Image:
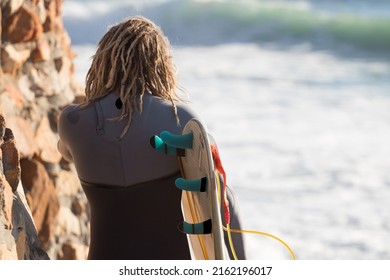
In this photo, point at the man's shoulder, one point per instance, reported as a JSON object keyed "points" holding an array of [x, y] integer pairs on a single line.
{"points": [[73, 113]]}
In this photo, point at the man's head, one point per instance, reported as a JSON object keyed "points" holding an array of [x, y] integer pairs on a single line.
{"points": [[132, 58]]}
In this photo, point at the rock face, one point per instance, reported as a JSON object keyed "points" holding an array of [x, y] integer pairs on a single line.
{"points": [[42, 206], [18, 235]]}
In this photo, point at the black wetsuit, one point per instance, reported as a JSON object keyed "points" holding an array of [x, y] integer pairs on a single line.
{"points": [[135, 207]]}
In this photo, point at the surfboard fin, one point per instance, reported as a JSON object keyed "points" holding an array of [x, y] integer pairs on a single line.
{"points": [[198, 228], [183, 141], [199, 185], [159, 145]]}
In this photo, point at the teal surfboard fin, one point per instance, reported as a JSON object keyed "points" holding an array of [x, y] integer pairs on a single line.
{"points": [[159, 145], [198, 228], [199, 185], [183, 141]]}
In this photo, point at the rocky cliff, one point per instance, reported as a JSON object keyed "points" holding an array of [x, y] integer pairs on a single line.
{"points": [[18, 235], [36, 82]]}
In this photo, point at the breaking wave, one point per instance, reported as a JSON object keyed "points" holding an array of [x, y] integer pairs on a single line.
{"points": [[217, 22]]}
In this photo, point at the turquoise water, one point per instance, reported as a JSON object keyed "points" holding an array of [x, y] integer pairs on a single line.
{"points": [[363, 25]]}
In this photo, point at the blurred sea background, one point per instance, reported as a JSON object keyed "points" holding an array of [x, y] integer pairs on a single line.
{"points": [[297, 96]]}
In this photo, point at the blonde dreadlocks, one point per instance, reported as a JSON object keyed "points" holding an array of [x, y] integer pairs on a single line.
{"points": [[132, 58]]}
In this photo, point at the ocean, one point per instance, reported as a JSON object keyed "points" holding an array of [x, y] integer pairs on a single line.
{"points": [[297, 96]]}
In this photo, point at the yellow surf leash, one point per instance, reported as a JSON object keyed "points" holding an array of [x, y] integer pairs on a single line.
{"points": [[228, 230]]}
